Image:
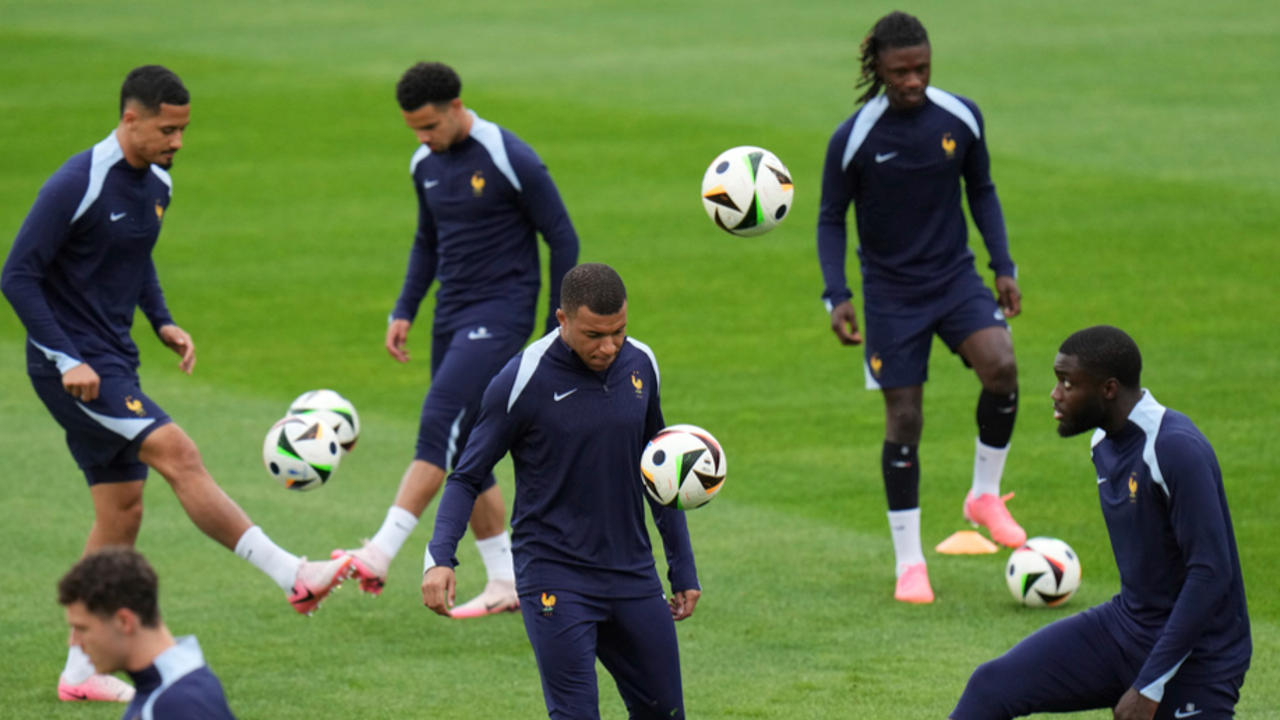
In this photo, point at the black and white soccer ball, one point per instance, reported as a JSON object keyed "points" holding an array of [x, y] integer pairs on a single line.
{"points": [[1044, 572], [335, 410], [301, 452], [683, 466], [747, 190]]}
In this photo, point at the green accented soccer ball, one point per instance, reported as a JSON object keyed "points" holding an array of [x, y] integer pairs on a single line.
{"points": [[302, 452], [683, 466], [747, 190], [343, 418], [1044, 572]]}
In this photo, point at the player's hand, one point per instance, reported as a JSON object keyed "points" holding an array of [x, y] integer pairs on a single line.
{"points": [[1134, 705], [844, 323], [81, 382], [397, 336], [1009, 297], [177, 340], [682, 603], [439, 585]]}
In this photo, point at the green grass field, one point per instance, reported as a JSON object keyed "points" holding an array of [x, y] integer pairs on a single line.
{"points": [[1135, 154]]}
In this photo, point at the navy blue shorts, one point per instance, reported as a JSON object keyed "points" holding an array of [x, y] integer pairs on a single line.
{"points": [[634, 638], [1076, 664], [104, 435], [899, 332], [462, 364]]}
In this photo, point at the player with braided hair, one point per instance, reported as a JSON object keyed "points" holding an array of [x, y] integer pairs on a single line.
{"points": [[901, 160]]}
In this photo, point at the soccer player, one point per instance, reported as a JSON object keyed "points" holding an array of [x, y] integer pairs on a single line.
{"points": [[79, 267], [113, 609], [901, 159], [1174, 642], [483, 196], [575, 410]]}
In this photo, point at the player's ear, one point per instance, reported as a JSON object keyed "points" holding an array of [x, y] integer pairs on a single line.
{"points": [[125, 621], [1110, 388], [561, 317]]}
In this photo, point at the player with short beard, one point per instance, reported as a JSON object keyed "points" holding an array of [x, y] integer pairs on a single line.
{"points": [[1174, 643]]}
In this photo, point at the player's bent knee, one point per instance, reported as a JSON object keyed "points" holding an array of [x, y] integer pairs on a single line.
{"points": [[173, 454], [986, 692]]}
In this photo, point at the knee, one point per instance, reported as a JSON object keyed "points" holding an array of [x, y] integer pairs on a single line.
{"points": [[904, 423], [1002, 375], [180, 461]]}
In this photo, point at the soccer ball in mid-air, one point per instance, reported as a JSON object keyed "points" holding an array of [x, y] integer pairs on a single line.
{"points": [[337, 411], [302, 452], [683, 466], [747, 190], [1044, 572]]}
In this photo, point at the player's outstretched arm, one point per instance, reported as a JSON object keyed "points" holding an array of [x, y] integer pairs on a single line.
{"points": [[844, 323], [1008, 296], [439, 584], [179, 341]]}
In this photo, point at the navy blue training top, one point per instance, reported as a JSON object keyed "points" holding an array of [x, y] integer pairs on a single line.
{"points": [[481, 204], [575, 438], [81, 263], [902, 171], [178, 686], [1181, 591]]}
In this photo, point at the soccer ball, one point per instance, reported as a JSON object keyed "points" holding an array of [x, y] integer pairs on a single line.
{"points": [[1044, 572], [683, 467], [337, 412], [302, 452], [747, 190]]}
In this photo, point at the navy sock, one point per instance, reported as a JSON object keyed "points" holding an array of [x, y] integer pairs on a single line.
{"points": [[901, 470], [996, 413]]}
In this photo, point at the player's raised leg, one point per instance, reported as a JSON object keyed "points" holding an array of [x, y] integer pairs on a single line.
{"points": [[174, 455], [900, 468], [990, 352]]}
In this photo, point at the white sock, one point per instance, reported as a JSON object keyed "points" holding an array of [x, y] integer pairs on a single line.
{"points": [[904, 526], [79, 667], [395, 530], [279, 564], [496, 553], [988, 466]]}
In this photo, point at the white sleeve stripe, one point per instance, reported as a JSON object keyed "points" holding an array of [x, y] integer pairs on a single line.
{"points": [[490, 136], [1148, 415], [1155, 691], [164, 177], [529, 360], [64, 361], [104, 155], [652, 358], [418, 156], [866, 120], [955, 106]]}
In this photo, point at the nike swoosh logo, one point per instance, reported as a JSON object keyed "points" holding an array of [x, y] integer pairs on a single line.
{"points": [[885, 157], [1181, 714], [117, 216], [560, 396], [428, 184]]}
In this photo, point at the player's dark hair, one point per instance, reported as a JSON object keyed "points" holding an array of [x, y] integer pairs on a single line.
{"points": [[427, 82], [595, 286], [1106, 352], [153, 85], [895, 30], [111, 579]]}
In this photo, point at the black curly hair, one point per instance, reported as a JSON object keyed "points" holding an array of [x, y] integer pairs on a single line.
{"points": [[427, 82], [111, 579], [895, 30]]}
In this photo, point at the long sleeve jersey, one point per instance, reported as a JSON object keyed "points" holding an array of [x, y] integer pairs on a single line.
{"points": [[481, 204], [178, 686], [81, 263], [1181, 591], [902, 171], [575, 438]]}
